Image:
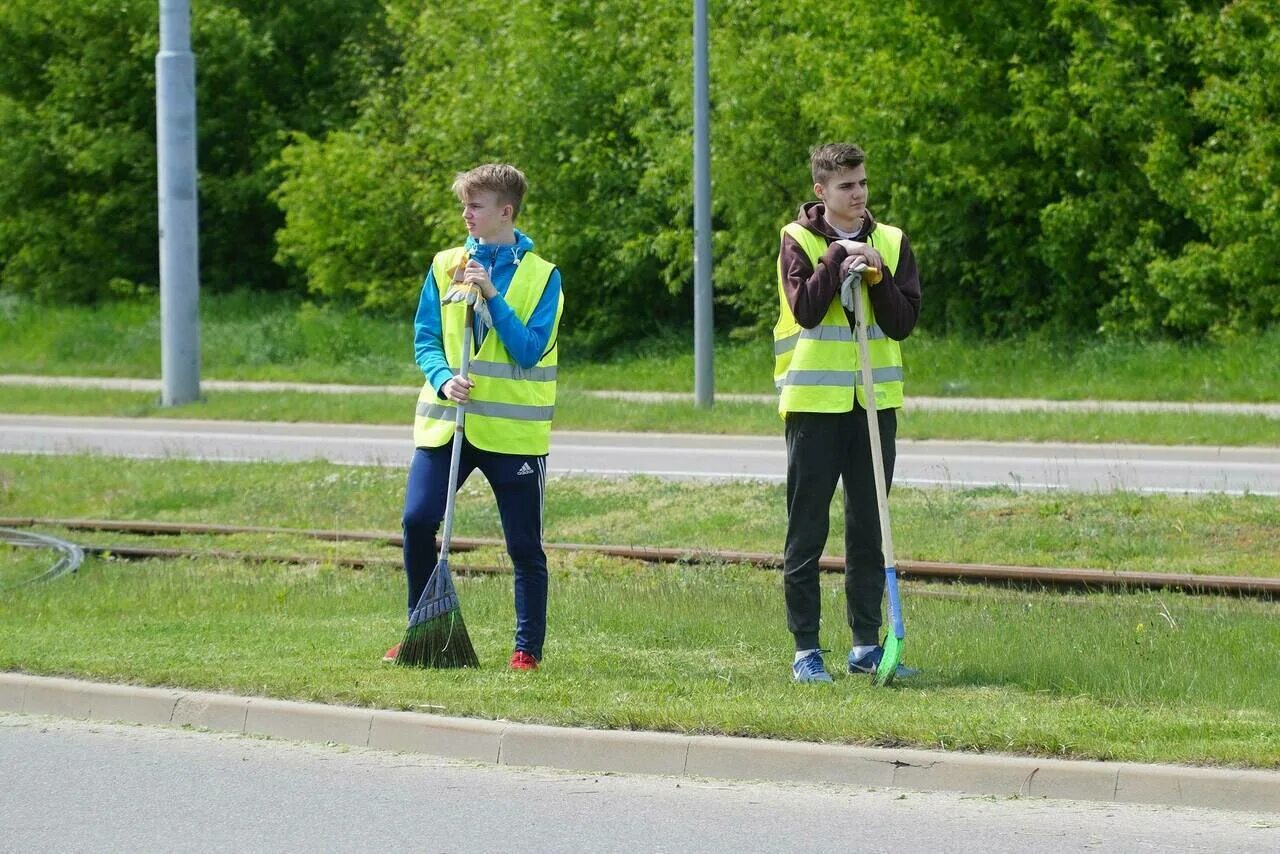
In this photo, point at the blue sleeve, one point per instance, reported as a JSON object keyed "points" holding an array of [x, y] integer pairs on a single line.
{"points": [[428, 342], [527, 343]]}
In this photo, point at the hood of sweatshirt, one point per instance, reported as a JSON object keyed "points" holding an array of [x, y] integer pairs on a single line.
{"points": [[500, 259], [811, 217]]}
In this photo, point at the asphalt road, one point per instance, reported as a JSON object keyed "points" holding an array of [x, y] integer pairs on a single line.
{"points": [[1089, 468], [78, 786]]}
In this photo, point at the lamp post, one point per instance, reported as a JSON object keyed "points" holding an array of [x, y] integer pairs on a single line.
{"points": [[176, 187], [703, 329]]}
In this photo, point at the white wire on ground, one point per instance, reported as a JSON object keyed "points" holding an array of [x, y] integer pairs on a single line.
{"points": [[70, 556]]}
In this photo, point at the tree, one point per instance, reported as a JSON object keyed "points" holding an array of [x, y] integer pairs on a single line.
{"points": [[1222, 170], [77, 112]]}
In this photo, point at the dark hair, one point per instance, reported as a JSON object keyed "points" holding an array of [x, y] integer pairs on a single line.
{"points": [[827, 160], [501, 178]]}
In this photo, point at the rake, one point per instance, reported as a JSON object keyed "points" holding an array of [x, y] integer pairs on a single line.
{"points": [[437, 636], [893, 643]]}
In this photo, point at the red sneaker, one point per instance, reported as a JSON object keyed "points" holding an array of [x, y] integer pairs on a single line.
{"points": [[521, 660], [390, 655]]}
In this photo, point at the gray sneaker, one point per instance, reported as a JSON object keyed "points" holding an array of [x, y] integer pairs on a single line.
{"points": [[810, 669]]}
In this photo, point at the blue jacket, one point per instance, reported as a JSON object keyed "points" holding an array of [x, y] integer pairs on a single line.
{"points": [[526, 343]]}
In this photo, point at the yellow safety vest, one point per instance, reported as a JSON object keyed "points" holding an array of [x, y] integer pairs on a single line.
{"points": [[818, 370], [511, 407]]}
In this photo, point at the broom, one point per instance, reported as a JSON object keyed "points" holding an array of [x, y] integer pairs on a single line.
{"points": [[437, 636], [893, 643]]}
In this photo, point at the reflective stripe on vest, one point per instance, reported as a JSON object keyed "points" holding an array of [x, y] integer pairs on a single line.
{"points": [[822, 332], [514, 411], [511, 371], [818, 369], [840, 378], [511, 407]]}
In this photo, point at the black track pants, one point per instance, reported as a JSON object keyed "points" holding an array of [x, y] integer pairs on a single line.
{"points": [[821, 449]]}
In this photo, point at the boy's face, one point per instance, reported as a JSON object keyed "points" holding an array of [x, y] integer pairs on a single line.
{"points": [[485, 215], [845, 196]]}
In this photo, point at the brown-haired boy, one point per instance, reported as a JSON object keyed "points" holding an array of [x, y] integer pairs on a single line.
{"points": [[817, 375]]}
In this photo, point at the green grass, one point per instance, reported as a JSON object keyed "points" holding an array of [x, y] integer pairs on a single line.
{"points": [[1035, 367], [19, 565], [1145, 677], [689, 650], [1140, 676], [242, 336], [265, 337], [577, 411], [1211, 534]]}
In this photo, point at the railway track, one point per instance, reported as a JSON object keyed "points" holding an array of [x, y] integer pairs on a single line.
{"points": [[1028, 576]]}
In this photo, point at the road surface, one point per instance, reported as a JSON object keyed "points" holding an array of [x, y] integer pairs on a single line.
{"points": [[1086, 468], [78, 786]]}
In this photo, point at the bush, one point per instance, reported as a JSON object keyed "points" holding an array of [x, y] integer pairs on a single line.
{"points": [[77, 132], [1070, 167]]}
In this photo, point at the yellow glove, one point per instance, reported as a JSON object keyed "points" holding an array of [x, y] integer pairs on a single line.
{"points": [[456, 273]]}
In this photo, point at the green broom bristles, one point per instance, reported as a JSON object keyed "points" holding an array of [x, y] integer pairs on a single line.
{"points": [[441, 641], [437, 636]]}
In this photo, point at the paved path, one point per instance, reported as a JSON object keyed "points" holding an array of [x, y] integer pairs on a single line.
{"points": [[971, 404], [996, 404], [1090, 468]]}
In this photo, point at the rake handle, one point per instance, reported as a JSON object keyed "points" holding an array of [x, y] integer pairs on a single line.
{"points": [[873, 421], [455, 456], [877, 456]]}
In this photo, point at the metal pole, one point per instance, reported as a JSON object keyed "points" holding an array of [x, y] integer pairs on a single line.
{"points": [[703, 331], [179, 239]]}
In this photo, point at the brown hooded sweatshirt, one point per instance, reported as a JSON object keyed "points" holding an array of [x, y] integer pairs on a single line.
{"points": [[895, 300]]}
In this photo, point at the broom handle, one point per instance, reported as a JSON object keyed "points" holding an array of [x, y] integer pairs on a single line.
{"points": [[455, 458], [873, 421]]}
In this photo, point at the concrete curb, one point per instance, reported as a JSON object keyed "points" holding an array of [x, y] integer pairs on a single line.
{"points": [[629, 752]]}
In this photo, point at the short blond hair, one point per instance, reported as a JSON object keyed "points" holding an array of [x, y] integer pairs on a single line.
{"points": [[501, 178]]}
